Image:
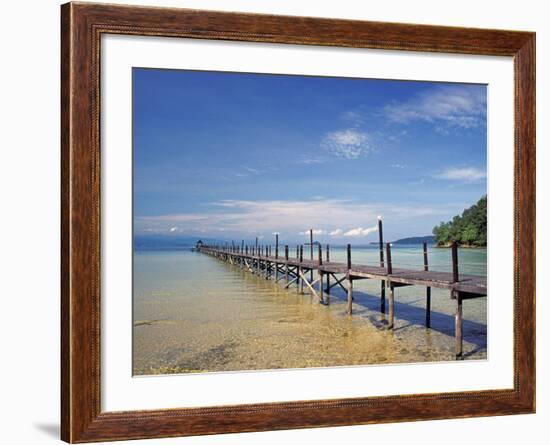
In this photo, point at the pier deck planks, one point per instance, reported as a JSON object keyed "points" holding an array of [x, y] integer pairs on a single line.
{"points": [[471, 284]]}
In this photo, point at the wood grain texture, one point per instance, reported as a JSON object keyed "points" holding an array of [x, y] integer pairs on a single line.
{"points": [[82, 26]]}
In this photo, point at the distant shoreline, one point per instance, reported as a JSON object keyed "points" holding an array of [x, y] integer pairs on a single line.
{"points": [[462, 246]]}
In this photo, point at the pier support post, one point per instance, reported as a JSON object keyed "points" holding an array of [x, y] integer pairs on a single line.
{"points": [[328, 275], [350, 281], [311, 252], [381, 250], [276, 257], [458, 324], [428, 307], [350, 294], [428, 289], [454, 252], [286, 264], [321, 295], [301, 271], [383, 297], [320, 261], [391, 310]]}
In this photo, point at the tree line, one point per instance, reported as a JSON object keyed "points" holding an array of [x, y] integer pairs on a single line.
{"points": [[468, 229]]}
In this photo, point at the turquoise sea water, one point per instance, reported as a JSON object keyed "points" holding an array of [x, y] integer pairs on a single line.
{"points": [[193, 313]]}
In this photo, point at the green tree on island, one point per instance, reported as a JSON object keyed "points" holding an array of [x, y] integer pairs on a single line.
{"points": [[469, 229]]}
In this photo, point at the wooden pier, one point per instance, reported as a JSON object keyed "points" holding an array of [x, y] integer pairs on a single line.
{"points": [[319, 275]]}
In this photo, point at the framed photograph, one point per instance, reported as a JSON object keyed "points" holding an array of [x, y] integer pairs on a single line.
{"points": [[274, 222]]}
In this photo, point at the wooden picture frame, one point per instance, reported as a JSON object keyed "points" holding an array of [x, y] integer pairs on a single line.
{"points": [[82, 25]]}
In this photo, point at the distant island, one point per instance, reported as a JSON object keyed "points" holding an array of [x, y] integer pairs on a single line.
{"points": [[429, 239], [468, 229]]}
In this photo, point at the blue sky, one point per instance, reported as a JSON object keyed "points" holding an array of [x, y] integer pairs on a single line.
{"points": [[233, 155]]}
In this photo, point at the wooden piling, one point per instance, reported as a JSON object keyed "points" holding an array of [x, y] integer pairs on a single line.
{"points": [[328, 275], [454, 251], [320, 263], [300, 271], [389, 267], [350, 294], [321, 295], [311, 251], [391, 310], [350, 281], [428, 288], [381, 251], [458, 324], [276, 246], [286, 264]]}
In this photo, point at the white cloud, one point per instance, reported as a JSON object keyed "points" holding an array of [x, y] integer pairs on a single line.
{"points": [[265, 217], [466, 174], [454, 106], [354, 117], [315, 232], [359, 231], [312, 161], [254, 171], [173, 229], [348, 144]]}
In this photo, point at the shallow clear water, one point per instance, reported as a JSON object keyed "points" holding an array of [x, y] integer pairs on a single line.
{"points": [[193, 313]]}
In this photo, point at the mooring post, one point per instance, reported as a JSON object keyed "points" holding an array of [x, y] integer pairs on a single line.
{"points": [[458, 324], [454, 251], [286, 264], [350, 281], [428, 288], [392, 291], [381, 249]]}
